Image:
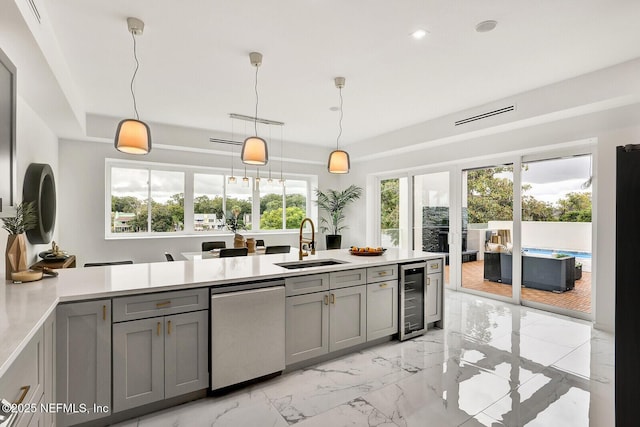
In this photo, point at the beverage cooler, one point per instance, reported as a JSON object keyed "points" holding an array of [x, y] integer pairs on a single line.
{"points": [[413, 300]]}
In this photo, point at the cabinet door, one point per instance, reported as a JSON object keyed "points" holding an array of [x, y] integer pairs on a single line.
{"points": [[83, 359], [382, 309], [186, 344], [49, 332], [434, 297], [307, 326], [138, 363], [348, 317]]}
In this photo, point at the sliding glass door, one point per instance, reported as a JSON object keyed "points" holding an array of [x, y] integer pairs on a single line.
{"points": [[486, 230], [431, 224]]}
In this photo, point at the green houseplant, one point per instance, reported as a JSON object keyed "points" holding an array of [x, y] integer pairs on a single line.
{"points": [[333, 204], [16, 253]]}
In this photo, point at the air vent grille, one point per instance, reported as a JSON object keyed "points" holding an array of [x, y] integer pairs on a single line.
{"points": [[485, 115], [34, 9]]}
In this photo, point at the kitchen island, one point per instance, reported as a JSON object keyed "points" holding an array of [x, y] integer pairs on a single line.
{"points": [[26, 308]]}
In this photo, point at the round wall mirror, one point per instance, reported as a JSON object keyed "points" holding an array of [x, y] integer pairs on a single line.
{"points": [[40, 188]]}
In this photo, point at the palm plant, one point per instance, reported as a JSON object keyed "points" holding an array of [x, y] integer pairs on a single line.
{"points": [[334, 202]]}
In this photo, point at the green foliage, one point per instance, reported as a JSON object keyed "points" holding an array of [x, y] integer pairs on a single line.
{"points": [[575, 207], [536, 210], [390, 208], [333, 203], [24, 220], [272, 219]]}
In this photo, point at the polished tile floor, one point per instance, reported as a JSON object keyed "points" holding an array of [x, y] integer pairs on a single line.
{"points": [[494, 364]]}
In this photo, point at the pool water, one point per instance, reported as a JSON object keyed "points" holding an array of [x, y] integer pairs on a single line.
{"points": [[585, 255]]}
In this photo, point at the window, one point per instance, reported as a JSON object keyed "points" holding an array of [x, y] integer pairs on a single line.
{"points": [[150, 199], [144, 199], [208, 202]]}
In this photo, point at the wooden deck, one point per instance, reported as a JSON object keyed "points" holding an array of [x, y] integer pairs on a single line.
{"points": [[579, 298]]}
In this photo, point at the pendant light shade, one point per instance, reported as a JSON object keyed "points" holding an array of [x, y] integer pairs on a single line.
{"points": [[339, 162], [339, 159], [254, 151], [254, 148], [132, 135]]}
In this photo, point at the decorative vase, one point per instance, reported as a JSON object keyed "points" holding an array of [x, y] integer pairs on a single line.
{"points": [[16, 255], [251, 245], [334, 241], [239, 241]]}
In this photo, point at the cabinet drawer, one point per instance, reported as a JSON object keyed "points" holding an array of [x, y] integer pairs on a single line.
{"points": [[306, 284], [159, 304], [384, 272], [344, 279], [434, 266], [22, 382]]}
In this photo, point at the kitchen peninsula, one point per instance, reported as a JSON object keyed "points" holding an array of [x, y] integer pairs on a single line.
{"points": [[120, 294]]}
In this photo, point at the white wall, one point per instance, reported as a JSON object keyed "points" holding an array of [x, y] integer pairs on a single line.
{"points": [[82, 204], [568, 236], [35, 143]]}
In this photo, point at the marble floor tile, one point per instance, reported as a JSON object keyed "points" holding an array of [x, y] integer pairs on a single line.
{"points": [[355, 413], [532, 349], [236, 409], [565, 332], [311, 391]]}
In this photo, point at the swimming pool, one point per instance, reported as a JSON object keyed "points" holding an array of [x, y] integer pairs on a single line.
{"points": [[585, 255]]}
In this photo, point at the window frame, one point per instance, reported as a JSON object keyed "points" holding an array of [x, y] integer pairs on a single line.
{"points": [[189, 218]]}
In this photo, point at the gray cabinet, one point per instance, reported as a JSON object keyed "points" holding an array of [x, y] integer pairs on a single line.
{"points": [[434, 290], [321, 322], [159, 358], [382, 309], [307, 326], [83, 359], [347, 317], [49, 366]]}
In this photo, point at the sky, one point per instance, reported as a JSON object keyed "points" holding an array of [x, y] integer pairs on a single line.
{"points": [[551, 180], [133, 182]]}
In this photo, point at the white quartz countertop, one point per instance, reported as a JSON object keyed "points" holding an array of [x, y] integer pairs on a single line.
{"points": [[25, 307]]}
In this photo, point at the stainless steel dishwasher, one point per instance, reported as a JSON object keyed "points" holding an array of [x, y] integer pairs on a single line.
{"points": [[247, 332]]}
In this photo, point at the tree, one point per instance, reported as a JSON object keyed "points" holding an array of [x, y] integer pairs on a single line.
{"points": [[536, 210], [575, 207], [272, 220], [390, 208], [128, 204], [489, 198]]}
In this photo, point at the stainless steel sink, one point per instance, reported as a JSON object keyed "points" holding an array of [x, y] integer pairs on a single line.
{"points": [[311, 263]]}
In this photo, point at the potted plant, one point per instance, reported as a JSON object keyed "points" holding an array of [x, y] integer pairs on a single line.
{"points": [[234, 223], [333, 203], [578, 274], [16, 253]]}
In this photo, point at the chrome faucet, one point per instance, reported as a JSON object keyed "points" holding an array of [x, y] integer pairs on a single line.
{"points": [[312, 242]]}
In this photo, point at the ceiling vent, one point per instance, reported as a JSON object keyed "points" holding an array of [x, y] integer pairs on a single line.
{"points": [[485, 115], [34, 9]]}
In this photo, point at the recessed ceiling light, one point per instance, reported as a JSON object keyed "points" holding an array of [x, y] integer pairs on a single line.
{"points": [[486, 26], [419, 34]]}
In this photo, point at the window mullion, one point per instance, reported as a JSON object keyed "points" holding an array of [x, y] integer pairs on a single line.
{"points": [[149, 201]]}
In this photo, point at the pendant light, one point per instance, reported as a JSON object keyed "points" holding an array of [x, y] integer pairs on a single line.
{"points": [[254, 148], [133, 136], [339, 159]]}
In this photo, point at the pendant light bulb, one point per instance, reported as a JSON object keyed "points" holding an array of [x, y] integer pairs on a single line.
{"points": [[254, 148], [339, 161], [132, 135]]}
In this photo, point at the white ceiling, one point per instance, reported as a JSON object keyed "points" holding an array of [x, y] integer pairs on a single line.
{"points": [[195, 68]]}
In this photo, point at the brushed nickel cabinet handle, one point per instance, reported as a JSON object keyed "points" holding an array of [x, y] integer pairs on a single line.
{"points": [[158, 328], [333, 298], [104, 312], [163, 304], [25, 389], [169, 327], [326, 300], [428, 281]]}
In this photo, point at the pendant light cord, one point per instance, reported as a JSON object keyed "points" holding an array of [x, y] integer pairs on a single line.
{"points": [[133, 78], [255, 118], [339, 121]]}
